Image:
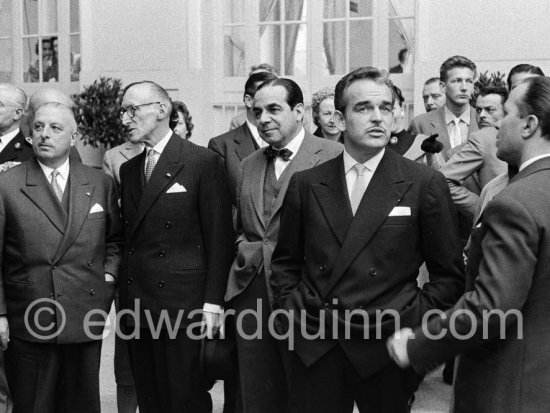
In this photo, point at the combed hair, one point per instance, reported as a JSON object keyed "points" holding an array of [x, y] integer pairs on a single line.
{"points": [[374, 74], [157, 89], [294, 95], [254, 80], [432, 80], [454, 62], [19, 96], [536, 102], [523, 68], [266, 67], [494, 90]]}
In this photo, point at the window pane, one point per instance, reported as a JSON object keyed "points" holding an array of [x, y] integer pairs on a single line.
{"points": [[360, 38], [295, 50], [334, 46], [49, 16], [234, 41], [30, 17], [75, 16], [31, 63], [5, 19], [295, 10], [6, 65], [360, 8], [334, 8], [401, 8], [234, 11], [76, 58], [270, 46], [270, 10], [401, 45]]}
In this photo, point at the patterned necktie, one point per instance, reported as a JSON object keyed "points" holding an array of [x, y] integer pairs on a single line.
{"points": [[359, 187], [150, 163], [456, 134], [271, 153], [55, 185]]}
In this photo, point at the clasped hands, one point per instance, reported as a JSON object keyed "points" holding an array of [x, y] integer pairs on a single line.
{"points": [[397, 347]]}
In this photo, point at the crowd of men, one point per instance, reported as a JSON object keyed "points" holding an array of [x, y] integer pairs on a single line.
{"points": [[303, 251]]}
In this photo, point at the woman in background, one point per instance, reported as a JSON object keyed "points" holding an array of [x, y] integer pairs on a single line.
{"points": [[180, 120], [322, 108]]}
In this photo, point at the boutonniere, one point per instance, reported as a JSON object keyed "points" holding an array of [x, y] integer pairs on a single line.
{"points": [[17, 146]]}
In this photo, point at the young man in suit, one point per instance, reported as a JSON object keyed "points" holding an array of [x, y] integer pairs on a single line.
{"points": [[354, 232], [457, 119], [13, 145], [263, 180], [503, 363], [179, 246], [60, 240]]}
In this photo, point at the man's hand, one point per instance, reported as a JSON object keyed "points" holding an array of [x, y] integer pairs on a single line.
{"points": [[211, 323], [431, 144], [397, 347], [4, 332]]}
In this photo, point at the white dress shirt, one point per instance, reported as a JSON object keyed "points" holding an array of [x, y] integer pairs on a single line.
{"points": [[294, 146], [63, 176], [463, 122], [7, 138], [532, 160], [351, 175]]}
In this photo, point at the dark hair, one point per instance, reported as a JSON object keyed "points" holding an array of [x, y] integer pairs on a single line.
{"points": [[294, 95], [494, 90], [398, 95], [523, 68], [402, 54], [179, 106], [432, 80], [266, 67], [255, 80], [454, 62], [536, 102], [369, 73]]}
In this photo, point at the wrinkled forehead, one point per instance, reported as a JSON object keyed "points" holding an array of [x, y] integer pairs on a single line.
{"points": [[55, 113]]}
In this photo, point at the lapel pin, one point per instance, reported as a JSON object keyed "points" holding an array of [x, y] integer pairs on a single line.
{"points": [[17, 146], [168, 175]]}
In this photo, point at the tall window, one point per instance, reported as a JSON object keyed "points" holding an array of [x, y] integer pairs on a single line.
{"points": [[6, 49]]}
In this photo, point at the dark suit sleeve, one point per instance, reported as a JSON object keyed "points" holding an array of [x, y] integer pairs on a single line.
{"points": [[113, 233], [217, 147], [216, 225], [441, 248], [510, 249], [288, 258]]}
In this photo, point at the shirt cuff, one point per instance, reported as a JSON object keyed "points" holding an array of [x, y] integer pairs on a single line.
{"points": [[212, 308]]}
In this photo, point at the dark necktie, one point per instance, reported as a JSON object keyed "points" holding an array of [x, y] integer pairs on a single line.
{"points": [[271, 153]]}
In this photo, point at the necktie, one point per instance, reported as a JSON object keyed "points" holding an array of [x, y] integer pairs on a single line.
{"points": [[150, 163], [455, 135], [359, 187], [271, 153], [55, 185]]}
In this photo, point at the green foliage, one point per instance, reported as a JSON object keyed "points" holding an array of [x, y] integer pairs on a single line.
{"points": [[496, 79], [96, 111]]}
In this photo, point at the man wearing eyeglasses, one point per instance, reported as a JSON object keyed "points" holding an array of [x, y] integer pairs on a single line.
{"points": [[176, 208]]}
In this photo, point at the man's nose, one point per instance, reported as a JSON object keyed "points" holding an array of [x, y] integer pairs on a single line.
{"points": [[376, 115], [126, 118]]}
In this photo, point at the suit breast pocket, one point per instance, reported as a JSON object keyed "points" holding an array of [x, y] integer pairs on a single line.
{"points": [[97, 215]]}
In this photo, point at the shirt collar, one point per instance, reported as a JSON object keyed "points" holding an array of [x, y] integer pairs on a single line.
{"points": [[371, 164], [159, 147], [294, 144], [63, 170], [464, 117], [532, 160], [9, 136]]}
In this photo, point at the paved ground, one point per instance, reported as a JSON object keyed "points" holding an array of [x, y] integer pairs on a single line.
{"points": [[432, 397]]}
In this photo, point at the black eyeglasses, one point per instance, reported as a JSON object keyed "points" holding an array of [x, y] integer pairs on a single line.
{"points": [[131, 110]]}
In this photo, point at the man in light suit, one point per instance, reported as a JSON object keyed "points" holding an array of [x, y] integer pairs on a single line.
{"points": [[13, 145], [60, 242], [115, 157], [504, 364], [354, 232], [457, 119], [177, 210], [263, 180], [237, 144]]}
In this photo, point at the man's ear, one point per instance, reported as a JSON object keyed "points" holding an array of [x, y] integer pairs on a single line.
{"points": [[299, 111], [18, 113], [530, 126], [443, 87], [339, 120], [163, 112], [248, 101]]}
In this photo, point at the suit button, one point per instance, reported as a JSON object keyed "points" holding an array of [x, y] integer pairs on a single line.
{"points": [[89, 263], [52, 296], [168, 224], [131, 251], [326, 305], [162, 254], [130, 280], [92, 292], [161, 284], [323, 268], [373, 272]]}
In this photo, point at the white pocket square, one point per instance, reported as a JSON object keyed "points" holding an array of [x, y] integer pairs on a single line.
{"points": [[400, 211], [96, 208], [176, 188]]}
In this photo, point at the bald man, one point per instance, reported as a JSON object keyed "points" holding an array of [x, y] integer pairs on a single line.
{"points": [[59, 253], [14, 148]]}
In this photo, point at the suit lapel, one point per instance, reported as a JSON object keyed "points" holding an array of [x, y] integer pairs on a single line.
{"points": [[80, 199], [244, 142], [37, 189], [130, 150], [385, 190], [137, 176], [259, 169], [332, 195], [440, 125], [537, 166], [169, 164]]}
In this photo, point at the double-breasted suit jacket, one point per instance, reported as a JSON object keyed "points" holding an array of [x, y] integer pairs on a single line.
{"points": [[51, 254], [503, 372], [329, 261], [258, 238], [179, 236]]}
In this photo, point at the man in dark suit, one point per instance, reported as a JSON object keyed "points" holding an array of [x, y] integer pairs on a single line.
{"points": [[504, 364], [263, 180], [354, 232], [457, 119], [60, 242], [177, 211], [14, 148], [237, 144]]}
